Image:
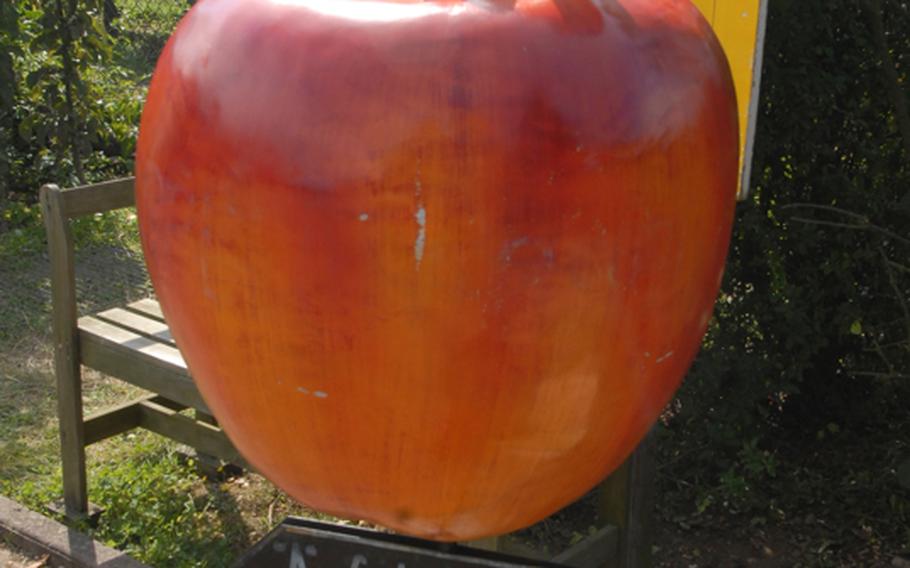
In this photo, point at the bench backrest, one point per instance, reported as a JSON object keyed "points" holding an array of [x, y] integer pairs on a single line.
{"points": [[58, 207]]}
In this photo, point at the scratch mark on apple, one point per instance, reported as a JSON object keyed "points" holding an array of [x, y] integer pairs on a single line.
{"points": [[421, 242], [505, 255], [664, 357], [317, 394], [421, 217]]}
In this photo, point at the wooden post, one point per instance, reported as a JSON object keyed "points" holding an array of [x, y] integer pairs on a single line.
{"points": [[211, 466], [627, 501], [207, 465], [66, 359]]}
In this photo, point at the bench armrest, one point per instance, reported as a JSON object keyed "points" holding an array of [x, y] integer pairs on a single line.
{"points": [[89, 199]]}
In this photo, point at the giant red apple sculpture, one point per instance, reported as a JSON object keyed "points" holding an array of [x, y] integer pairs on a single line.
{"points": [[438, 265]]}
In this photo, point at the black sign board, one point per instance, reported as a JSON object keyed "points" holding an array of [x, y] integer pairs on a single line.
{"points": [[299, 543]]}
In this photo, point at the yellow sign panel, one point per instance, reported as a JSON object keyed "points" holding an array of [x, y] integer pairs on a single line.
{"points": [[740, 26]]}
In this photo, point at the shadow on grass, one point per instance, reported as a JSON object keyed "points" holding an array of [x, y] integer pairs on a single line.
{"points": [[231, 518]]}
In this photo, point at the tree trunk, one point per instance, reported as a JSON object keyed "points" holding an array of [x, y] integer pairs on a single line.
{"points": [[69, 80]]}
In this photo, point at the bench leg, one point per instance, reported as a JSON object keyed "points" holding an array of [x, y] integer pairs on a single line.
{"points": [[66, 359], [72, 433], [210, 466], [627, 501]]}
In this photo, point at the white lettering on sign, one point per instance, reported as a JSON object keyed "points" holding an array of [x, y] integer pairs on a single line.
{"points": [[297, 560], [358, 561]]}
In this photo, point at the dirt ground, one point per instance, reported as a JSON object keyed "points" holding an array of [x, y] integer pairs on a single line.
{"points": [[734, 543], [11, 557]]}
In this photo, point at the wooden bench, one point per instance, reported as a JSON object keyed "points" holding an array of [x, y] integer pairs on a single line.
{"points": [[133, 343]]}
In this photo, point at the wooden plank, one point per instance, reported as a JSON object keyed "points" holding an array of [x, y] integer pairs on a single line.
{"points": [[60, 544], [138, 323], [97, 198], [627, 501], [138, 360], [66, 359], [595, 551], [122, 418], [185, 430], [147, 307], [112, 421], [145, 348], [167, 403]]}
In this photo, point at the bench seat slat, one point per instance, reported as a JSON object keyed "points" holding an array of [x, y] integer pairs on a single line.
{"points": [[139, 360], [132, 341], [138, 323], [147, 307]]}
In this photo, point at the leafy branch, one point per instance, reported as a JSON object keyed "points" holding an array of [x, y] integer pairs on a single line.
{"points": [[69, 38], [857, 221]]}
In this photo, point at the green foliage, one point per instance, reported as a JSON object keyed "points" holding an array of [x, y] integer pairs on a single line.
{"points": [[812, 330], [156, 510], [66, 37], [69, 112], [9, 37]]}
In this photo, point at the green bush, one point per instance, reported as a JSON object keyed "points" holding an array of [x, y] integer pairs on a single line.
{"points": [[68, 112], [812, 329]]}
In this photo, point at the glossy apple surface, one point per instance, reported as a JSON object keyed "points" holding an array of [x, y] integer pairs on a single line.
{"points": [[438, 265]]}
